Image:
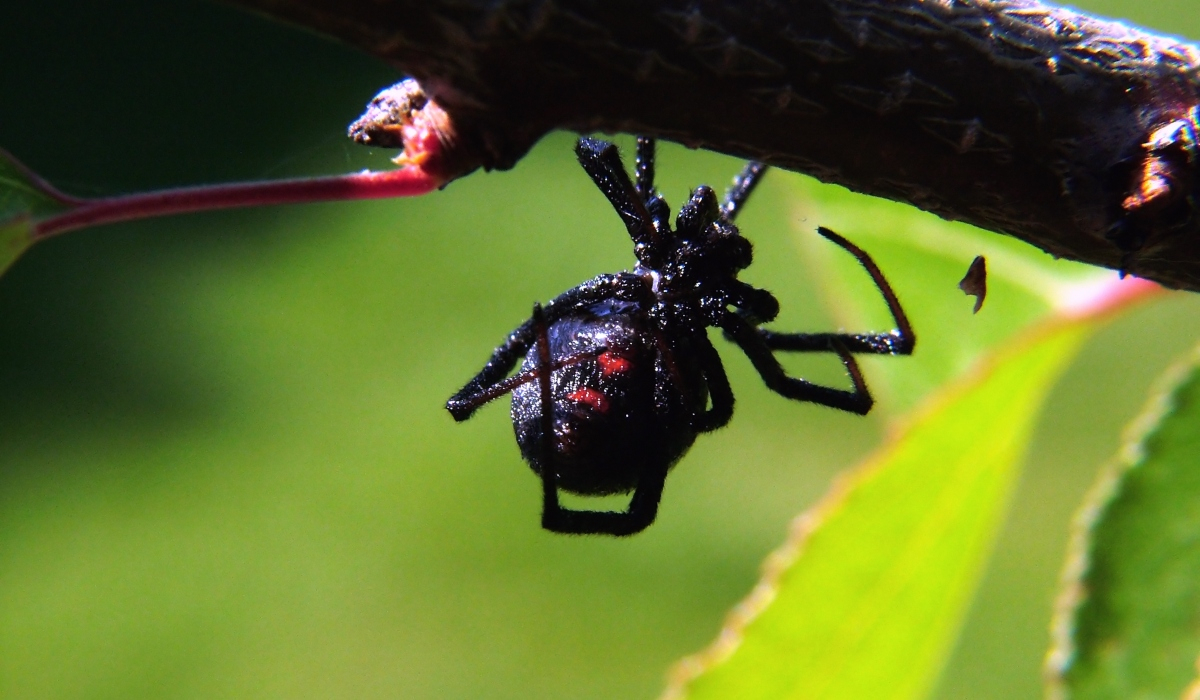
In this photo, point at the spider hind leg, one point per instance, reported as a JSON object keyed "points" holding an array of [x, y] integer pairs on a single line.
{"points": [[643, 506], [759, 345]]}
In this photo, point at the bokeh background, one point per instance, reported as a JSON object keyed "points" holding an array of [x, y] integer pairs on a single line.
{"points": [[225, 470]]}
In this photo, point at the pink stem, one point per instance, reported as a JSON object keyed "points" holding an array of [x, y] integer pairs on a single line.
{"points": [[405, 182]]}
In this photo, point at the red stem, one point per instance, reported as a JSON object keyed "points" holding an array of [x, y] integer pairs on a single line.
{"points": [[405, 182]]}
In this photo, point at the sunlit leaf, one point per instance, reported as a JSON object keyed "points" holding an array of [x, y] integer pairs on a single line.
{"points": [[867, 597], [1129, 617]]}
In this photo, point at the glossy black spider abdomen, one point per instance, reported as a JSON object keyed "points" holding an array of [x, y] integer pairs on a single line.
{"points": [[615, 410]]}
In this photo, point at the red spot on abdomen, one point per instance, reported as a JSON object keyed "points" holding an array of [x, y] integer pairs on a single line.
{"points": [[591, 397], [612, 364]]}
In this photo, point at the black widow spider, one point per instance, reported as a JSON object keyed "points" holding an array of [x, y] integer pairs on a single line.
{"points": [[633, 377]]}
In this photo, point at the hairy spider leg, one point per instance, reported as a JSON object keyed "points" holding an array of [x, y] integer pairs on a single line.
{"points": [[644, 172], [759, 345], [491, 383], [602, 163], [720, 394], [743, 185], [643, 506], [660, 212], [755, 305], [897, 342], [858, 400], [505, 386]]}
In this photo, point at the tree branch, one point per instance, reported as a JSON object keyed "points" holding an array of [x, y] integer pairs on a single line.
{"points": [[1075, 134]]}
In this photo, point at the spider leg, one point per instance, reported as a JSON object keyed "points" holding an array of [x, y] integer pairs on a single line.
{"points": [[490, 382], [897, 342], [858, 343], [743, 185], [644, 172], [552, 512], [719, 393], [602, 162], [483, 387], [660, 213], [643, 508], [504, 386], [757, 305], [858, 400]]}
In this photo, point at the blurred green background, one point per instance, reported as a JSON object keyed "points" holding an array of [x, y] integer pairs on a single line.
{"points": [[225, 470]]}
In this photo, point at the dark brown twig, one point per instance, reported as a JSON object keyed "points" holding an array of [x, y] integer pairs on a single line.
{"points": [[1075, 134]]}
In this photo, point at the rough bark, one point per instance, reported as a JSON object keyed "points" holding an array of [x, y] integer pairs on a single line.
{"points": [[1073, 133]]}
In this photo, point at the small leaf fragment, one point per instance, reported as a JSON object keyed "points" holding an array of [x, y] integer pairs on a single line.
{"points": [[867, 597], [974, 283], [23, 193], [1128, 619]]}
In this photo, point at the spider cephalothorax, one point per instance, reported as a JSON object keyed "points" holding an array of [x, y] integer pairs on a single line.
{"points": [[619, 375]]}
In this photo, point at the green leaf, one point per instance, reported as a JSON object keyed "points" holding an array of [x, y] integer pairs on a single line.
{"points": [[23, 193], [866, 598], [1128, 623], [24, 197]]}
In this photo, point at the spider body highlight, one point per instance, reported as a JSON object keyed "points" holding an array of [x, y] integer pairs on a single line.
{"points": [[618, 375]]}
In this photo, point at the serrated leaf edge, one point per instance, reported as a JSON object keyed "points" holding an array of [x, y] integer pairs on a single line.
{"points": [[1072, 591], [807, 523]]}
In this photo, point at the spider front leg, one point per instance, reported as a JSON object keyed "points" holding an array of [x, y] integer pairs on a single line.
{"points": [[644, 168], [743, 185], [602, 163], [490, 382]]}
